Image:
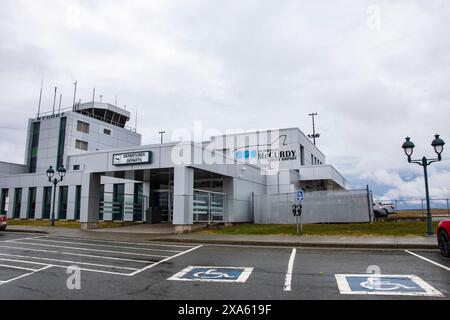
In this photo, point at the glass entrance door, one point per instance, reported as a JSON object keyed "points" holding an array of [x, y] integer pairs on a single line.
{"points": [[164, 202]]}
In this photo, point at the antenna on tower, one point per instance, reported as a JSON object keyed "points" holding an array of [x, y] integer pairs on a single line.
{"points": [[116, 100], [136, 121], [74, 94], [54, 100], [40, 99], [60, 99]]}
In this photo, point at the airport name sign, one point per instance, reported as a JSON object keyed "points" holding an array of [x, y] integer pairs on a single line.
{"points": [[132, 158]]}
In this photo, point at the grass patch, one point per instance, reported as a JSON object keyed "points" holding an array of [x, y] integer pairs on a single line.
{"points": [[394, 229], [67, 224]]}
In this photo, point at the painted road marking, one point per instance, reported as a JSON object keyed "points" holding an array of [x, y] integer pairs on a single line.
{"points": [[213, 274], [25, 275], [88, 249], [288, 280], [428, 260], [376, 284], [13, 259], [101, 245]]}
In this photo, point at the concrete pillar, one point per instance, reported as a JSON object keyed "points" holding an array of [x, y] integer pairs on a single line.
{"points": [[56, 202], [10, 203], [24, 204], [89, 201], [183, 199], [39, 198], [72, 193], [228, 188], [107, 202], [146, 193], [128, 202]]}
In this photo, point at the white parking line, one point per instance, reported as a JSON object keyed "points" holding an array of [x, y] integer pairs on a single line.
{"points": [[101, 245], [428, 260], [119, 242], [288, 280], [14, 267], [165, 260], [87, 249], [80, 254], [64, 261], [25, 275]]}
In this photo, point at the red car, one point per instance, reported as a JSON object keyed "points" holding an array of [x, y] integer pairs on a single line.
{"points": [[3, 222], [443, 233]]}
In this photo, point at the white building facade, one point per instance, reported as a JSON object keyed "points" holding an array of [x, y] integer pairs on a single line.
{"points": [[111, 176]]}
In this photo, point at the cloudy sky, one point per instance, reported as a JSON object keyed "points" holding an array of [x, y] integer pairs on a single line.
{"points": [[375, 71]]}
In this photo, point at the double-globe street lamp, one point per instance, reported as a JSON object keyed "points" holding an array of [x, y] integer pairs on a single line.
{"points": [[438, 145], [55, 181]]}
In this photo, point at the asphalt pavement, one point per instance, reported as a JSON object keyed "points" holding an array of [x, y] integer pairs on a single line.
{"points": [[34, 266]]}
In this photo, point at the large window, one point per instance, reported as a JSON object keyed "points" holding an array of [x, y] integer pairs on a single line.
{"points": [[4, 201], [82, 126], [81, 145], [33, 146], [46, 202], [62, 203], [77, 203], [302, 155], [17, 203], [31, 203], [61, 142]]}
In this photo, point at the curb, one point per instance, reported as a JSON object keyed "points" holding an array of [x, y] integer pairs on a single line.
{"points": [[395, 246], [25, 231]]}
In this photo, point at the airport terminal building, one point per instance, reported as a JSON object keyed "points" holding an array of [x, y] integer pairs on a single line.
{"points": [[111, 176]]}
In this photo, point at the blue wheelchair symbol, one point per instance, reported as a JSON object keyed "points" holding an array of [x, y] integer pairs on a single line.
{"points": [[211, 274]]}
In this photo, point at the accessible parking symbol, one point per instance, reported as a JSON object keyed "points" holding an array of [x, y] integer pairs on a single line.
{"points": [[213, 274], [399, 285]]}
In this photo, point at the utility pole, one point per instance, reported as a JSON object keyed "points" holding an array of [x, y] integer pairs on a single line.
{"points": [[315, 135], [162, 136]]}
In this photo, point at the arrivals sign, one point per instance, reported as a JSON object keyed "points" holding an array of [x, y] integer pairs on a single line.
{"points": [[132, 158]]}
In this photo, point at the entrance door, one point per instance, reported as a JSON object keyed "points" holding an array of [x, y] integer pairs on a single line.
{"points": [[164, 202]]}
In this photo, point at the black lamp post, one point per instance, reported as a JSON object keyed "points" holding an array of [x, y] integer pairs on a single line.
{"points": [[438, 145], [55, 181]]}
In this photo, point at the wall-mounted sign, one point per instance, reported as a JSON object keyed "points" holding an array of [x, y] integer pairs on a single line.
{"points": [[278, 150], [51, 116], [132, 158]]}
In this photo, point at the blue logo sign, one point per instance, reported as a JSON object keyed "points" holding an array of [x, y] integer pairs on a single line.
{"points": [[213, 274], [375, 284], [300, 195]]}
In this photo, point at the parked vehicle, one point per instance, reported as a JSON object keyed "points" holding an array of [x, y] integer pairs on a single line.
{"points": [[383, 209], [443, 234], [3, 222]]}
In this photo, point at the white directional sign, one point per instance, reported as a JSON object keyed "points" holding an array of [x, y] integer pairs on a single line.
{"points": [[131, 158], [377, 284], [213, 274]]}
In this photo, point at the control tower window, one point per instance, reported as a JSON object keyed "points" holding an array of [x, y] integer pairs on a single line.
{"points": [[82, 126], [81, 145]]}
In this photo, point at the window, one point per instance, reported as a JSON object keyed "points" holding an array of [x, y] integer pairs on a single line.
{"points": [[82, 126], [46, 202], [76, 167], [312, 160], [31, 203], [61, 142], [63, 195], [107, 132], [17, 203], [81, 145], [302, 155], [33, 147], [77, 203], [4, 201]]}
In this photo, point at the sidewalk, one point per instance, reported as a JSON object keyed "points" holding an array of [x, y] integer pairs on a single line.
{"points": [[343, 242]]}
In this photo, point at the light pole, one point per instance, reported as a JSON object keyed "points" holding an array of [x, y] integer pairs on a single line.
{"points": [[438, 145], [162, 136], [55, 181]]}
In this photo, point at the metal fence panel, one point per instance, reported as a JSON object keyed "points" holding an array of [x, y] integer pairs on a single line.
{"points": [[318, 207]]}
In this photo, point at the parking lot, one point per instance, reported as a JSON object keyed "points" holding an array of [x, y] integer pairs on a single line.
{"points": [[36, 267]]}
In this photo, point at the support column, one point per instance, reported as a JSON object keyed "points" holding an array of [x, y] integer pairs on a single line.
{"points": [[39, 197], [24, 203], [146, 193], [71, 202], [90, 201], [183, 199]]}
